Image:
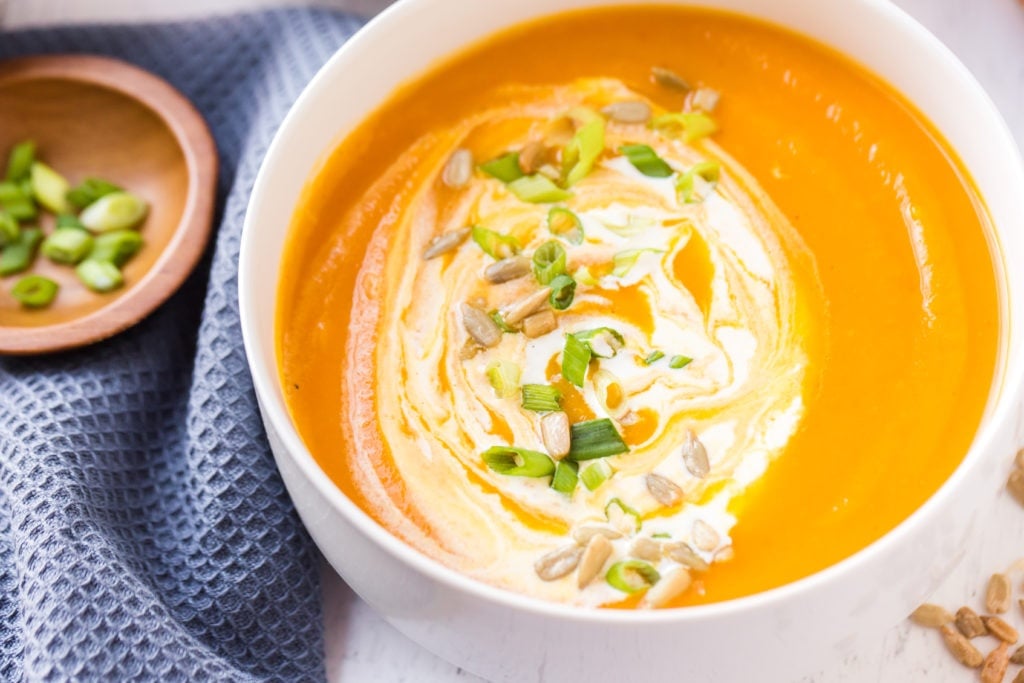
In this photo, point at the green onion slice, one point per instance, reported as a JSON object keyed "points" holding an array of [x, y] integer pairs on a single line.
{"points": [[595, 474], [18, 256], [575, 359], [595, 439], [69, 220], [19, 163], [563, 290], [581, 152], [494, 244], [646, 160], [49, 188], [566, 477], [565, 224], [632, 576], [499, 320], [549, 262], [504, 378], [604, 342], [35, 291], [90, 190], [538, 189], [697, 183], [653, 357], [541, 398], [518, 462], [67, 245], [624, 261], [99, 276], [585, 277], [115, 211], [616, 508], [9, 229], [677, 362], [634, 225], [505, 168], [116, 247], [692, 126]]}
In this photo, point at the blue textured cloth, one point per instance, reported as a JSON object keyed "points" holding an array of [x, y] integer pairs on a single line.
{"points": [[144, 531]]}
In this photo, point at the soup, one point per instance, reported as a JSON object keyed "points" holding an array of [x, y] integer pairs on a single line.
{"points": [[637, 308]]}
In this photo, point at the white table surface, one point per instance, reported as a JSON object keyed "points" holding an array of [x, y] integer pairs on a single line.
{"points": [[988, 36]]}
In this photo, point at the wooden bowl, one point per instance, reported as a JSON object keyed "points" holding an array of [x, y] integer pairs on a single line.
{"points": [[94, 116]]}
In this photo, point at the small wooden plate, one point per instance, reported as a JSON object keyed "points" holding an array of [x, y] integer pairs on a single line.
{"points": [[94, 116]]}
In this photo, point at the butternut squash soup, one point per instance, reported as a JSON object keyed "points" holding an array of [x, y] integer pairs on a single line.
{"points": [[639, 307]]}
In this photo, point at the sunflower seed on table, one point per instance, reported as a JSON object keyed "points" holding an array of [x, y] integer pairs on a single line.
{"points": [[554, 431], [663, 489], [444, 243], [516, 311], [672, 585], [458, 170], [969, 623], [695, 456], [507, 269], [961, 648], [931, 616], [993, 669], [558, 563], [704, 536], [480, 327], [685, 555], [998, 594], [532, 156], [539, 324], [583, 534], [646, 549], [1000, 629], [668, 78], [597, 552], [630, 111]]}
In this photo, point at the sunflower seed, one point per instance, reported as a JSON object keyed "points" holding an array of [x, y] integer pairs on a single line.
{"points": [[444, 243], [646, 549], [961, 648], [558, 563], [518, 310], [994, 668], [969, 623], [632, 111], [664, 490], [683, 554], [1018, 656], [672, 585], [507, 269], [539, 324], [1000, 629], [668, 78], [997, 596], [481, 328], [704, 536], [1015, 485], [554, 430], [695, 456], [532, 156], [583, 534], [705, 99], [1019, 678], [724, 554], [458, 170], [932, 616], [1018, 460], [598, 550]]}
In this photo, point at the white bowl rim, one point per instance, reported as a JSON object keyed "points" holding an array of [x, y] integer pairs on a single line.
{"points": [[266, 382]]}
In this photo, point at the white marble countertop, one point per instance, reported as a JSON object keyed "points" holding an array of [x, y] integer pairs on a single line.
{"points": [[988, 36]]}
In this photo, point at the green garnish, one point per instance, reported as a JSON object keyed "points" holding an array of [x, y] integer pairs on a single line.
{"points": [[661, 534], [595, 474], [582, 151], [677, 362], [565, 224], [549, 262], [67, 245], [17, 202], [99, 276], [115, 211], [563, 290], [646, 160], [499, 320], [9, 229], [631, 576], [69, 220], [541, 398], [18, 256], [90, 190], [537, 189], [634, 225], [623, 510], [624, 261], [494, 244], [19, 163], [117, 247], [504, 378], [566, 477], [518, 462], [689, 186], [692, 126], [49, 188], [585, 277], [653, 357], [575, 359], [505, 168], [604, 342], [35, 291], [595, 439]]}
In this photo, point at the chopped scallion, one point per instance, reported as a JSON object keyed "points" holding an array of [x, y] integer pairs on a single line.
{"points": [[67, 245], [697, 183], [19, 163], [504, 378], [575, 359], [595, 474], [616, 509], [117, 247], [604, 342], [49, 188], [18, 255], [595, 439], [566, 477], [549, 262], [494, 244], [9, 229], [624, 261], [505, 168], [646, 160], [632, 576], [518, 462], [563, 290], [537, 189], [99, 276], [692, 126], [565, 224], [541, 398], [499, 320], [115, 211], [653, 357], [69, 220], [585, 277], [35, 291], [584, 148], [90, 190], [677, 362]]}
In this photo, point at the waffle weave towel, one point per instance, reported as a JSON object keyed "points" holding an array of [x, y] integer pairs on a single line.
{"points": [[144, 531]]}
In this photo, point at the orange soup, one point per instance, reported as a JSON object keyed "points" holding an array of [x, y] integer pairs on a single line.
{"points": [[639, 307]]}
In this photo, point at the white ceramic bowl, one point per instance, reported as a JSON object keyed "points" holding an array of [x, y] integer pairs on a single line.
{"points": [[773, 636]]}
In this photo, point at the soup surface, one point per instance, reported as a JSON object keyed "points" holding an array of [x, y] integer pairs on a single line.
{"points": [[542, 297]]}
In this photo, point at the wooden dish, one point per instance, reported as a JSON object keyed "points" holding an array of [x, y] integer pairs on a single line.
{"points": [[95, 116]]}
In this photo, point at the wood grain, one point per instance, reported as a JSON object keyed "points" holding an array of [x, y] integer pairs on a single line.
{"points": [[94, 116]]}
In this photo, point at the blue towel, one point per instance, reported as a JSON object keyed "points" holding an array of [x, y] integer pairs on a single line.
{"points": [[144, 531]]}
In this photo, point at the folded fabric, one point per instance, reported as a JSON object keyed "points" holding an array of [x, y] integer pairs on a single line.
{"points": [[144, 531]]}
